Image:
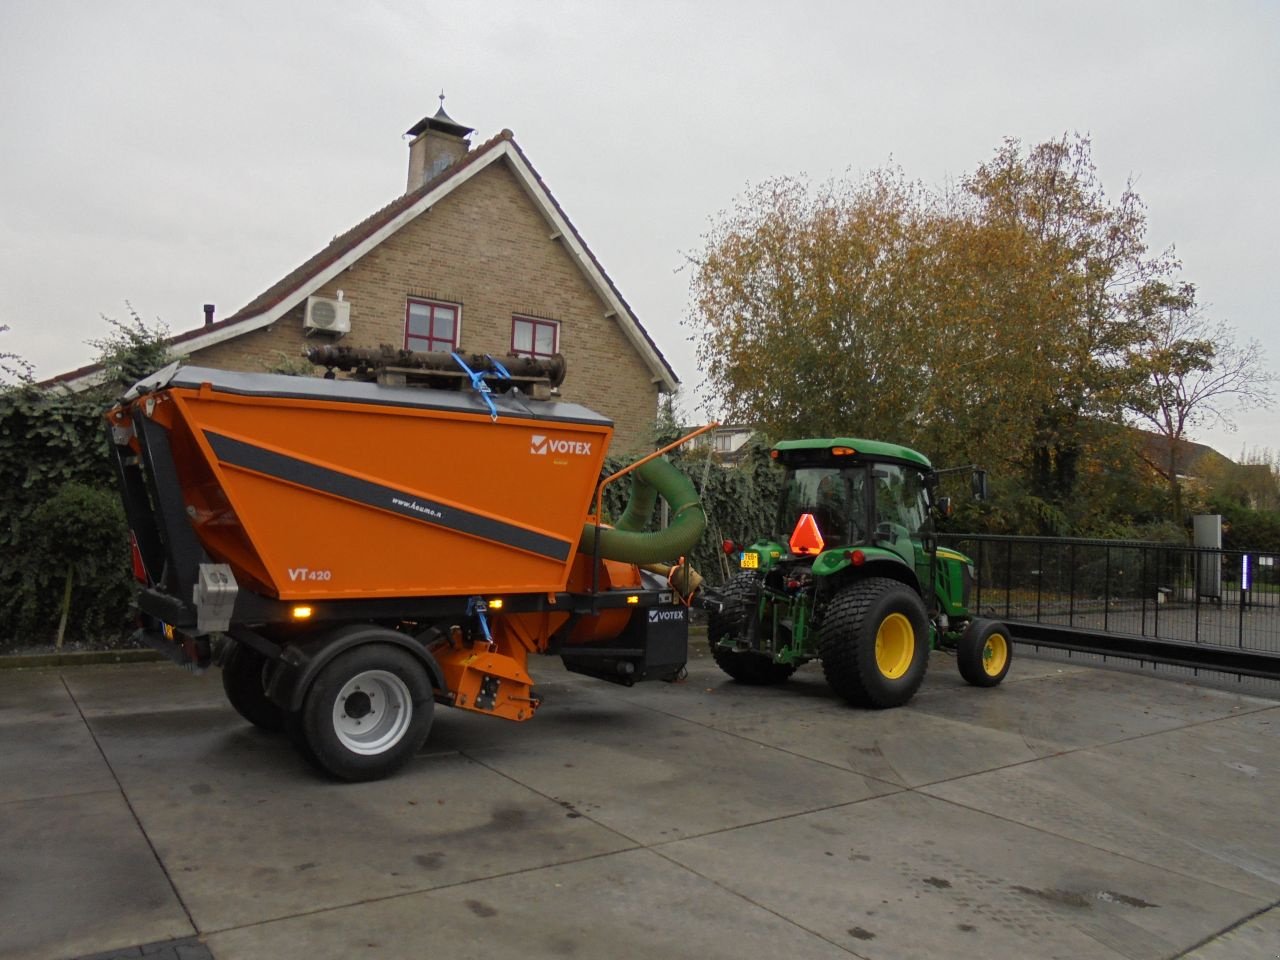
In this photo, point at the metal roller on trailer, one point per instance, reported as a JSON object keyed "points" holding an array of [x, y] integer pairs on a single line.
{"points": [[354, 551]]}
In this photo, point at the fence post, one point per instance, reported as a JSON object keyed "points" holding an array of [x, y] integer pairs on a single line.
{"points": [[1071, 586], [1244, 596], [1008, 578], [1142, 592], [977, 587], [1039, 575], [1106, 589], [1195, 580]]}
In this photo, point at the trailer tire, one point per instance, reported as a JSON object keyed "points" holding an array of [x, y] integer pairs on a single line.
{"points": [[875, 643], [244, 679], [984, 653], [745, 666], [366, 714]]}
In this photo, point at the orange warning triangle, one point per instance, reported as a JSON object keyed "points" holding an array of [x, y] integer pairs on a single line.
{"points": [[806, 538]]}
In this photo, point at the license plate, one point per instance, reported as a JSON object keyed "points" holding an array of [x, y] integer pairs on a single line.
{"points": [[750, 561]]}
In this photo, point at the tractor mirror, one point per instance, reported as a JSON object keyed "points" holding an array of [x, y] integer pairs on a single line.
{"points": [[945, 507], [979, 484]]}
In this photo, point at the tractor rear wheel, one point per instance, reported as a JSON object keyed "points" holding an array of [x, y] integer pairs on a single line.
{"points": [[730, 624], [244, 679], [984, 653], [366, 714], [875, 643]]}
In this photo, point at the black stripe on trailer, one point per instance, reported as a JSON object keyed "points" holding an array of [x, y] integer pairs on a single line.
{"points": [[250, 457]]}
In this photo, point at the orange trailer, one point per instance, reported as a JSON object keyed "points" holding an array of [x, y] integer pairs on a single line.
{"points": [[351, 552]]}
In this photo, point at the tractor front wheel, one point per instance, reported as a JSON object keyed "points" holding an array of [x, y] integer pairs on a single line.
{"points": [[875, 643], [984, 653], [748, 667]]}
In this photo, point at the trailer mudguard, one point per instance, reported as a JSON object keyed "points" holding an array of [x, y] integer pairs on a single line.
{"points": [[300, 662]]}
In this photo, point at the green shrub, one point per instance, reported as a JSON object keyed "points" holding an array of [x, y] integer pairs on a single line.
{"points": [[61, 509], [78, 536]]}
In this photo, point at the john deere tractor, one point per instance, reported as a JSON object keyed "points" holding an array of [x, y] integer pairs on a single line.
{"points": [[852, 575]]}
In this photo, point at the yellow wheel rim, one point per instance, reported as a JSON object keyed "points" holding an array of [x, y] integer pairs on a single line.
{"points": [[995, 655], [895, 646]]}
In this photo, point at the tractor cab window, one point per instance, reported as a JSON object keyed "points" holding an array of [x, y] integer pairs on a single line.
{"points": [[836, 498], [901, 501]]}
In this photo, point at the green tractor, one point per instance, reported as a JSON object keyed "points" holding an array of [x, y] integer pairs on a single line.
{"points": [[853, 576]]}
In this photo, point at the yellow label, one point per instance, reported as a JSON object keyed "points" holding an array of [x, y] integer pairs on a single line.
{"points": [[749, 561]]}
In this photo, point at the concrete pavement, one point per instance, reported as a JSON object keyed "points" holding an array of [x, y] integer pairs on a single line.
{"points": [[1072, 812]]}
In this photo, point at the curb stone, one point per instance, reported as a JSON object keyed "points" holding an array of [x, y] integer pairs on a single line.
{"points": [[78, 658]]}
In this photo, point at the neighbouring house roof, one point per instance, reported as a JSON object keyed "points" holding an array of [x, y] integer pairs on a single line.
{"points": [[347, 248], [1190, 458]]}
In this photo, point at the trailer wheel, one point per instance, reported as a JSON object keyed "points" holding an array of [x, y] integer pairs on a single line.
{"points": [[244, 678], [745, 666], [875, 643], [984, 653], [366, 713]]}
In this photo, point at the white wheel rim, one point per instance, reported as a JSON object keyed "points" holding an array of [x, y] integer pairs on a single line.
{"points": [[372, 712]]}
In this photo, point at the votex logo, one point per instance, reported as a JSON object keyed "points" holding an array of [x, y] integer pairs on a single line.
{"points": [[542, 445], [658, 615]]}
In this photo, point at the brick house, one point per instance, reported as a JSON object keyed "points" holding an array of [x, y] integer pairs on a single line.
{"points": [[477, 256]]}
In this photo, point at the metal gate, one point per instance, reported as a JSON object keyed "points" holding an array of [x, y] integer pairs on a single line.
{"points": [[1144, 601]]}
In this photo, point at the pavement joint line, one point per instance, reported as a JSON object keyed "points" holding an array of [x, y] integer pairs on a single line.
{"points": [[653, 848], [897, 787], [557, 802], [1066, 751], [1093, 846], [759, 906], [1225, 930], [54, 796], [132, 812], [204, 934]]}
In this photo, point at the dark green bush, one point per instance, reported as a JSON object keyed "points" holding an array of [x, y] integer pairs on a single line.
{"points": [[61, 511], [78, 534]]}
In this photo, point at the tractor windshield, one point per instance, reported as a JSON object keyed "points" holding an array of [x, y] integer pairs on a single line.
{"points": [[883, 502], [901, 501], [835, 496]]}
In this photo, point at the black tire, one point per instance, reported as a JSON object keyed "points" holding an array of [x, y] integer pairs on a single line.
{"points": [[984, 653], [744, 666], [875, 643], [244, 678], [366, 713]]}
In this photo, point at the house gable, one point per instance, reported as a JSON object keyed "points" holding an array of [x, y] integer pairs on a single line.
{"points": [[510, 237], [486, 249]]}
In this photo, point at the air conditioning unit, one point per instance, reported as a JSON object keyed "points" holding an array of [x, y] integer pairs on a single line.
{"points": [[325, 315]]}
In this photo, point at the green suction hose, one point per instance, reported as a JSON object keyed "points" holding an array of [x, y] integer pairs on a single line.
{"points": [[626, 542]]}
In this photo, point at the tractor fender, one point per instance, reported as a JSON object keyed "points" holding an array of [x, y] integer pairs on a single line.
{"points": [[891, 567], [304, 660]]}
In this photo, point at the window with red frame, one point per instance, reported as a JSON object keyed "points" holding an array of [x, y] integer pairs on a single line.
{"points": [[531, 337], [430, 326]]}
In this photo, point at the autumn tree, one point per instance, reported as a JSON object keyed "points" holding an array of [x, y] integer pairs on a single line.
{"points": [[1194, 373], [868, 309], [1098, 273], [995, 321]]}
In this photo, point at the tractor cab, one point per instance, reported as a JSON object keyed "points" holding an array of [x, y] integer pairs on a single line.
{"points": [[846, 503], [842, 495], [851, 574]]}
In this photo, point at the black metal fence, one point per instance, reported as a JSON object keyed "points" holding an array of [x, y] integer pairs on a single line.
{"points": [[1173, 597]]}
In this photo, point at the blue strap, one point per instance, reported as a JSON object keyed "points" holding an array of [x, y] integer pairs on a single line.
{"points": [[477, 606], [497, 367], [478, 384]]}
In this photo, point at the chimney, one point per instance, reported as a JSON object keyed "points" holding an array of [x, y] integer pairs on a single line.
{"points": [[208, 314], [437, 143]]}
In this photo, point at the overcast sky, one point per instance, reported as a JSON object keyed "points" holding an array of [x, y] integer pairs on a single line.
{"points": [[177, 153]]}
